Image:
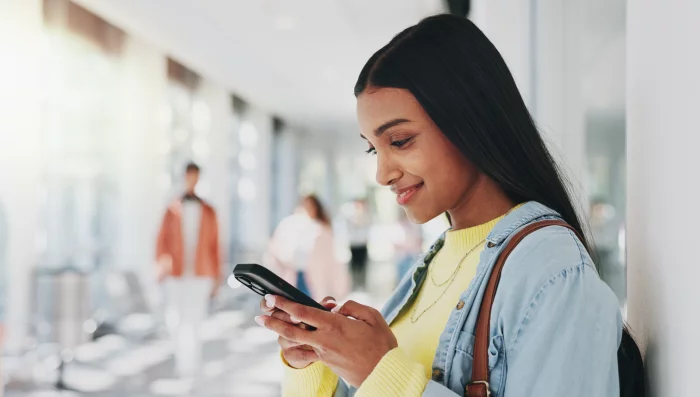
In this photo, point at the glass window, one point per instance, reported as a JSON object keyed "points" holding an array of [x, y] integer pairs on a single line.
{"points": [[82, 144], [4, 242], [603, 88]]}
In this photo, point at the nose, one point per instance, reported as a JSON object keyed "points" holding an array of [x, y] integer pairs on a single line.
{"points": [[388, 171]]}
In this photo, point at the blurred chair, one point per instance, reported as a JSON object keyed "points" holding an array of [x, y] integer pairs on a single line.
{"points": [[133, 313], [61, 309]]}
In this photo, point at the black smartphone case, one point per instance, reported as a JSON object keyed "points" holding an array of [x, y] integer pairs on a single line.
{"points": [[262, 281]]}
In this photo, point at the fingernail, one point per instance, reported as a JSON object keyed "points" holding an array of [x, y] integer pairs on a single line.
{"points": [[270, 301], [332, 302], [335, 309], [259, 320], [295, 320]]}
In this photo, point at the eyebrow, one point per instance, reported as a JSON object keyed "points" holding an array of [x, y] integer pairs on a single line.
{"points": [[382, 128]]}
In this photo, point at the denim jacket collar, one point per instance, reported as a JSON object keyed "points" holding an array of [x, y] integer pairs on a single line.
{"points": [[528, 213]]}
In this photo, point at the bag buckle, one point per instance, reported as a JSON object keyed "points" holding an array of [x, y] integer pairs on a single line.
{"points": [[479, 382]]}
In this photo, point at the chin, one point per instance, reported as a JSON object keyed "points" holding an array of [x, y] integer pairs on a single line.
{"points": [[421, 217]]}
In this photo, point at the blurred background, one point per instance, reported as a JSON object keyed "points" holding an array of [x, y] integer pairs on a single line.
{"points": [[103, 104]]}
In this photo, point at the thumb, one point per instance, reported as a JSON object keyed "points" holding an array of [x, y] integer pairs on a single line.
{"points": [[328, 302], [357, 311]]}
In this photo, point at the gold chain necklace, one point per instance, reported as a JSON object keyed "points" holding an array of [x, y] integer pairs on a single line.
{"points": [[452, 278], [459, 265]]}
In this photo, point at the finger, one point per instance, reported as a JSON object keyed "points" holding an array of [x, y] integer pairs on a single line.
{"points": [[286, 330], [280, 315], [288, 344], [309, 315], [284, 316], [264, 307], [300, 355], [358, 311], [269, 301], [329, 302]]}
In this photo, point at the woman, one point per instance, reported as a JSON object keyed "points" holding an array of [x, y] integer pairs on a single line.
{"points": [[451, 134], [302, 252]]}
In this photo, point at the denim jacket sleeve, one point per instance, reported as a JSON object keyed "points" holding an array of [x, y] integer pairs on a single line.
{"points": [[567, 337]]}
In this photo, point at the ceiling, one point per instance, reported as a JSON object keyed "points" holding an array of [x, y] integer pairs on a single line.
{"points": [[296, 58], [300, 59]]}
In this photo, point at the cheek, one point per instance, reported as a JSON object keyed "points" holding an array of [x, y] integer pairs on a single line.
{"points": [[446, 168], [448, 178]]}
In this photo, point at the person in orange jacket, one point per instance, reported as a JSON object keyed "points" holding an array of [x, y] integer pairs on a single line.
{"points": [[189, 262]]}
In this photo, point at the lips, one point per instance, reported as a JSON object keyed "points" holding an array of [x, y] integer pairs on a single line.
{"points": [[403, 195]]}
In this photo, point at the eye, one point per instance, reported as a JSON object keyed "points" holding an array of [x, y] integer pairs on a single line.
{"points": [[371, 151], [401, 142]]}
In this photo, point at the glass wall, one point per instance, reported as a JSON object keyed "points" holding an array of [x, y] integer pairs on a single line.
{"points": [[285, 168], [82, 145], [4, 242], [603, 91], [121, 120], [253, 180], [575, 86]]}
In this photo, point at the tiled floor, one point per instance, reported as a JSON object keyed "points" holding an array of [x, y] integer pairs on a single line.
{"points": [[240, 360]]}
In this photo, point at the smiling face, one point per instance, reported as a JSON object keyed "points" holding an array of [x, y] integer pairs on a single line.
{"points": [[414, 158]]}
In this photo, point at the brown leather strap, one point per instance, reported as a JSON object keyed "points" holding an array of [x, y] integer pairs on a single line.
{"points": [[479, 387]]}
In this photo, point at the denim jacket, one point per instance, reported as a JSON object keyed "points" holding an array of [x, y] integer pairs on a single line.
{"points": [[555, 326]]}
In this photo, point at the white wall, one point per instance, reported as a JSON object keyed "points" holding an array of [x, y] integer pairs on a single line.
{"points": [[663, 97], [507, 23], [20, 154], [141, 163]]}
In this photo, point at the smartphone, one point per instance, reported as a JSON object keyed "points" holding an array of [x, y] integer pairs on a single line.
{"points": [[262, 281]]}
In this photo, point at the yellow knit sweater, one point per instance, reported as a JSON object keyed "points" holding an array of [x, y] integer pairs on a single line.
{"points": [[406, 370]]}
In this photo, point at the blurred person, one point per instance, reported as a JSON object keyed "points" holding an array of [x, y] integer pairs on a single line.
{"points": [[188, 260], [451, 134], [408, 244], [302, 252], [357, 224]]}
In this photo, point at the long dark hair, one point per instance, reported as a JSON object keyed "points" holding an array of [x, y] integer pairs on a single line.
{"points": [[463, 83]]}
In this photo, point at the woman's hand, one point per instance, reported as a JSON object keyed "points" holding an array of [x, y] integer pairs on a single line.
{"points": [[297, 355], [351, 347]]}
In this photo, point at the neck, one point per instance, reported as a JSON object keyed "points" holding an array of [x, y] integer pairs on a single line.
{"points": [[189, 195], [485, 202]]}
